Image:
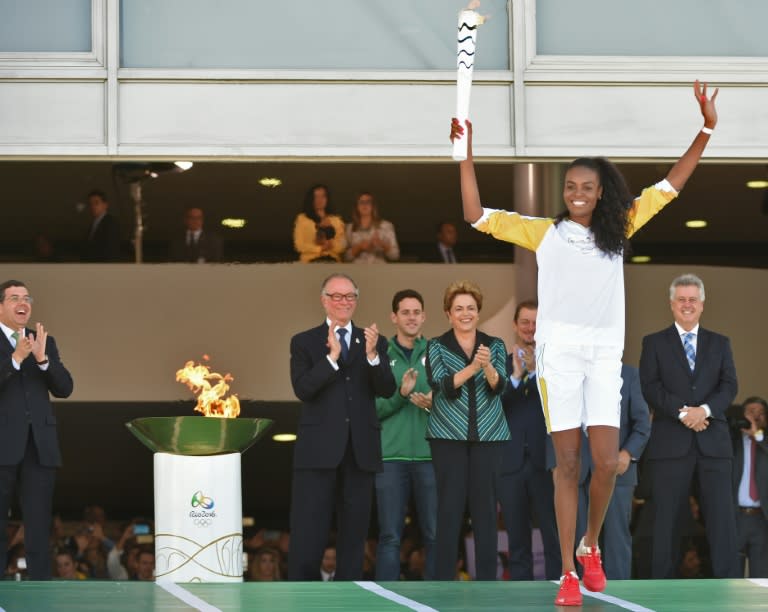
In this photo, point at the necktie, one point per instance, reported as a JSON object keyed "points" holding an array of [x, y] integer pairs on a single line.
{"points": [[752, 480], [690, 352], [15, 336], [449, 256], [343, 341]]}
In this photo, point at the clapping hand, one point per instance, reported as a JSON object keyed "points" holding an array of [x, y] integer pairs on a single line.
{"points": [[334, 346], [482, 357], [38, 341], [371, 338], [422, 400], [408, 382]]}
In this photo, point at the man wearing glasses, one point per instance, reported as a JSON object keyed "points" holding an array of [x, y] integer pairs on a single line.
{"points": [[30, 371], [337, 371]]}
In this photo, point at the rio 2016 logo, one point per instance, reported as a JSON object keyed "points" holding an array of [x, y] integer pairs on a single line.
{"points": [[198, 499]]}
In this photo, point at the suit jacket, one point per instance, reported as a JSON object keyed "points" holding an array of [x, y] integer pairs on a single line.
{"points": [[634, 430], [104, 244], [337, 403], [668, 384], [435, 255], [25, 401], [761, 470], [525, 418], [209, 246]]}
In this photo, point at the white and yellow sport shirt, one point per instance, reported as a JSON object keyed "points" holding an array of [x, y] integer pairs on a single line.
{"points": [[581, 289]]}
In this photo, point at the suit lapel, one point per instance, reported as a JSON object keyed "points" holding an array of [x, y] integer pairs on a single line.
{"points": [[702, 344], [676, 346], [356, 343]]}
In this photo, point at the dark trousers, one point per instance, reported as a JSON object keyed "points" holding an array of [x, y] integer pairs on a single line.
{"points": [[465, 471], [314, 496], [753, 542], [671, 487], [519, 492], [35, 488]]}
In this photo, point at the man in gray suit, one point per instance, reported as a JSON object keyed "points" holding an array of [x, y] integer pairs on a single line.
{"points": [[750, 486], [633, 436]]}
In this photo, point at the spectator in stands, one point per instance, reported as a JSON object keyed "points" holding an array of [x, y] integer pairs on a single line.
{"points": [[145, 564], [445, 249], [122, 560], [328, 565], [66, 569], [265, 565], [318, 233], [195, 244], [102, 243], [370, 238]]}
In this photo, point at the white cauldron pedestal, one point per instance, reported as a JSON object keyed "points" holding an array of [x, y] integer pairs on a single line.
{"points": [[198, 494]]}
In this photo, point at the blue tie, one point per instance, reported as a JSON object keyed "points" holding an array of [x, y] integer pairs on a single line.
{"points": [[690, 352], [343, 341]]}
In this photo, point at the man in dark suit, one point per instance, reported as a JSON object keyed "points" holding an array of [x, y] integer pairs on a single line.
{"points": [[523, 482], [196, 245], [635, 429], [102, 244], [444, 250], [688, 377], [337, 371], [750, 487], [30, 370]]}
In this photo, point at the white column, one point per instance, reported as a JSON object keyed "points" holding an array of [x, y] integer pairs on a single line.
{"points": [[198, 518]]}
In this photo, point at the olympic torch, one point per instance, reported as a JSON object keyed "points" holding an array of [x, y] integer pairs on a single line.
{"points": [[465, 61]]}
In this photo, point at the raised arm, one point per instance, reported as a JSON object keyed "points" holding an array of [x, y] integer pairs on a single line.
{"points": [[682, 170], [470, 194]]}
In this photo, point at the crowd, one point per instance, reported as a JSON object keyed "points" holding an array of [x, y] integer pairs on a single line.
{"points": [[320, 234]]}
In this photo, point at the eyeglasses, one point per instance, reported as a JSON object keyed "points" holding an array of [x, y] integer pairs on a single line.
{"points": [[15, 299], [338, 297]]}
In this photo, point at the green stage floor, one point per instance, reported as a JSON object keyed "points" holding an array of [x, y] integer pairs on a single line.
{"points": [[637, 595]]}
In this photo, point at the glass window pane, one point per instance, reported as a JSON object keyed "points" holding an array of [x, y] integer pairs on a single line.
{"points": [[306, 34], [652, 27], [29, 26]]}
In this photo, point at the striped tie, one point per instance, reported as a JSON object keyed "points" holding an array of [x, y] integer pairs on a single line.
{"points": [[690, 352]]}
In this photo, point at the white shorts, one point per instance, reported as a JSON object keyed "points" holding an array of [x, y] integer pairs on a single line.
{"points": [[579, 385]]}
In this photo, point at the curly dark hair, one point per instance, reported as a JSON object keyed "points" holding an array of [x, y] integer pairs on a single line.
{"points": [[610, 218]]}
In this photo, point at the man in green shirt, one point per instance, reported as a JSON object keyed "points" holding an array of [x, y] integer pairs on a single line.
{"points": [[405, 451]]}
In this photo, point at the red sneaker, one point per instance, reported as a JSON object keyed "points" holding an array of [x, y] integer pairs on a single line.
{"points": [[569, 593], [594, 576]]}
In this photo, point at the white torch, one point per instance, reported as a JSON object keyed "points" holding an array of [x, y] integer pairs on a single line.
{"points": [[465, 61]]}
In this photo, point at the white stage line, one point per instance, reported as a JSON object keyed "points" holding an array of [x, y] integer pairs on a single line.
{"points": [[763, 582], [392, 596], [188, 598], [616, 601]]}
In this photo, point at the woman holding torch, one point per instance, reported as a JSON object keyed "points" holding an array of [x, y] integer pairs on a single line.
{"points": [[580, 326]]}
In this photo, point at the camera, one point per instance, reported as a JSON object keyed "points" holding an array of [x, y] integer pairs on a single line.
{"points": [[141, 529], [739, 422], [326, 232]]}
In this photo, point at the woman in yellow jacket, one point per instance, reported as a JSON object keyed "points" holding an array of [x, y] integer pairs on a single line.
{"points": [[318, 234]]}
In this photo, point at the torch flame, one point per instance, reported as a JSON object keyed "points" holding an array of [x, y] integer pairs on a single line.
{"points": [[210, 397]]}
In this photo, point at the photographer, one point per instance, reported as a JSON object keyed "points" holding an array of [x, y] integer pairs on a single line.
{"points": [[318, 234], [122, 561], [750, 482]]}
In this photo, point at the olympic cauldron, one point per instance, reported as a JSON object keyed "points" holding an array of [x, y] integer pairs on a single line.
{"points": [[198, 493]]}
